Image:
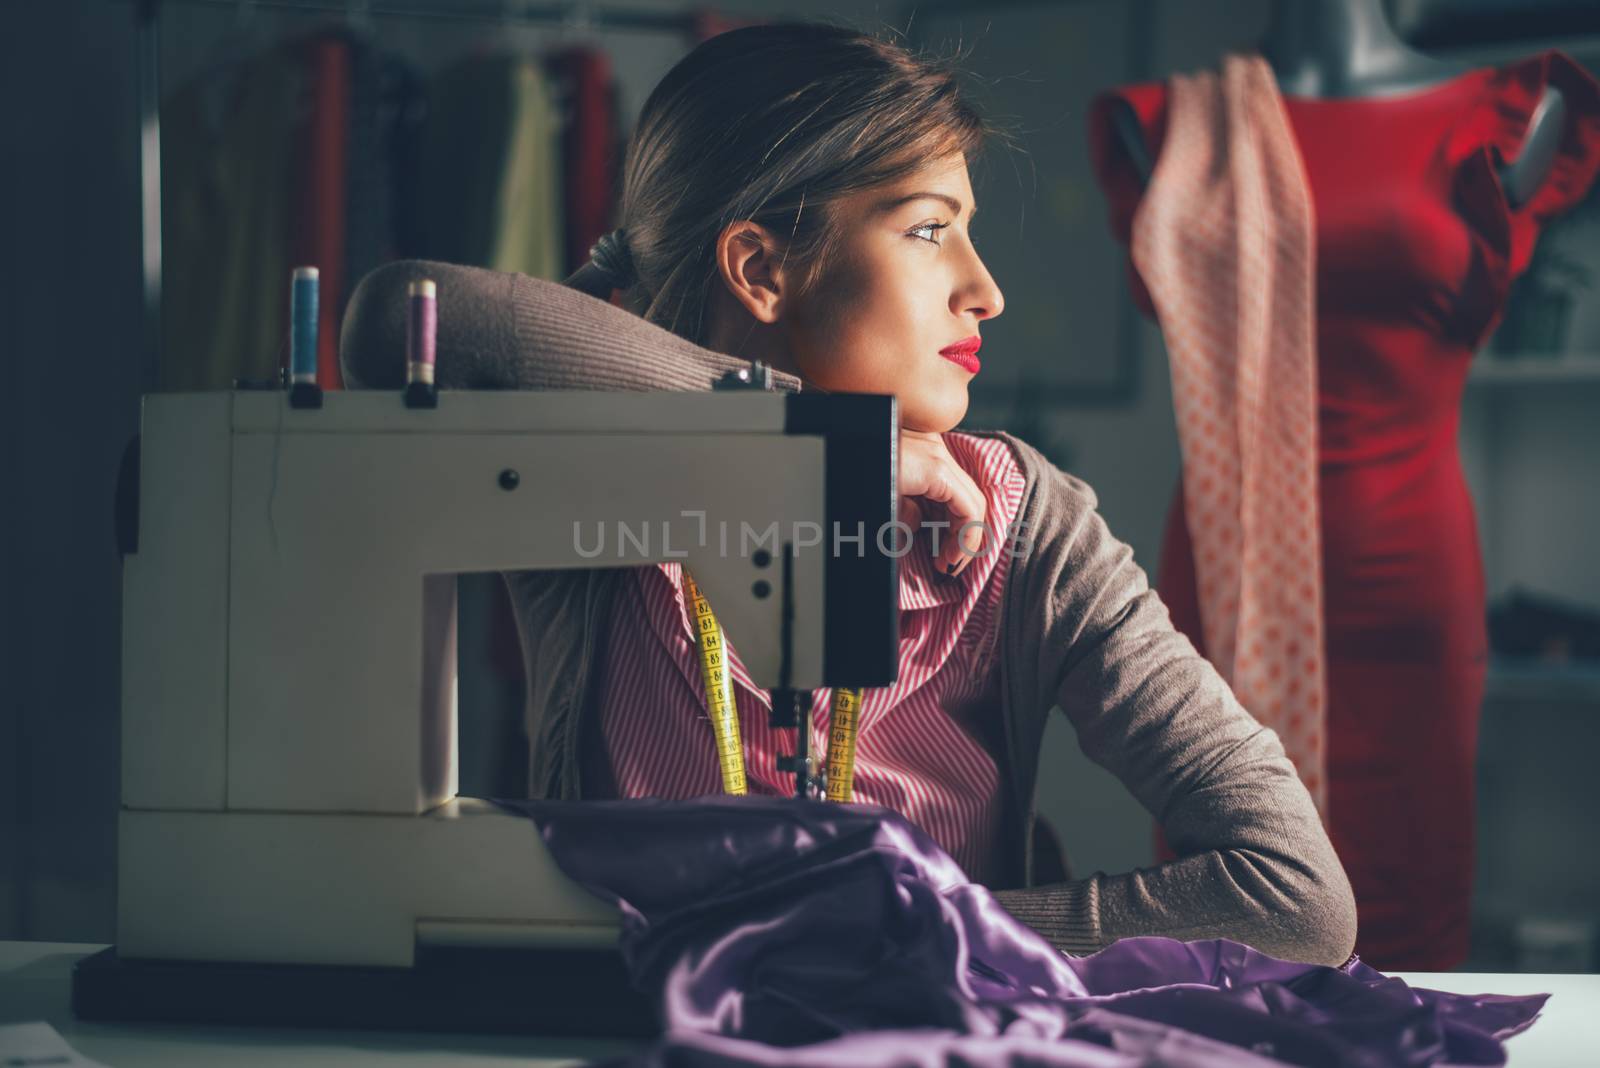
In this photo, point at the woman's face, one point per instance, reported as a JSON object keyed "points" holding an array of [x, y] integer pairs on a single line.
{"points": [[904, 285]]}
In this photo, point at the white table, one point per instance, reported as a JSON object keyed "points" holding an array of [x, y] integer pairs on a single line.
{"points": [[1567, 1033], [36, 979]]}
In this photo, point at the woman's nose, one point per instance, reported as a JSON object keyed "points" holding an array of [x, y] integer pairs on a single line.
{"points": [[980, 297]]}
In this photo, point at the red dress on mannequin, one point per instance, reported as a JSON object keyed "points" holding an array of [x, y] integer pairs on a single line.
{"points": [[1416, 247]]}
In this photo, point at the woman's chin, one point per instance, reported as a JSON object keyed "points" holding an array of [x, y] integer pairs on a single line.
{"points": [[934, 415]]}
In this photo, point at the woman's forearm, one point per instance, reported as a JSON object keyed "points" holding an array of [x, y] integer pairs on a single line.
{"points": [[1255, 863]]}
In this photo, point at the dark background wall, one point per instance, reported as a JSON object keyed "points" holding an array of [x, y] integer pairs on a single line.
{"points": [[71, 355]]}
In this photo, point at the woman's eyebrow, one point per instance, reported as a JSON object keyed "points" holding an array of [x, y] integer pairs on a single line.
{"points": [[950, 201]]}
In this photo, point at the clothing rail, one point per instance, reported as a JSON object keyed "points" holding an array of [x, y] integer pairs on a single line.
{"points": [[573, 13], [577, 15]]}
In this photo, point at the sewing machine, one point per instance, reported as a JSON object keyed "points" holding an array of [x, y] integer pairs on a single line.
{"points": [[289, 646]]}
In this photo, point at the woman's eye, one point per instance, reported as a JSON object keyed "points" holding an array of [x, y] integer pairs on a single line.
{"points": [[927, 232]]}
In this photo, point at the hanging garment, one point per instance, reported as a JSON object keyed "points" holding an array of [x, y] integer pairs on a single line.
{"points": [[261, 176], [590, 148], [776, 931], [464, 143], [386, 106], [489, 188], [488, 191], [317, 221], [708, 23], [924, 745], [528, 238], [1416, 249], [225, 209]]}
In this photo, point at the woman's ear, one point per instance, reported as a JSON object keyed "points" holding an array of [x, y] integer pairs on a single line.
{"points": [[750, 261]]}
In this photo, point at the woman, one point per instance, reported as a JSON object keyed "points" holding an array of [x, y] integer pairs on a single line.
{"points": [[799, 194]]}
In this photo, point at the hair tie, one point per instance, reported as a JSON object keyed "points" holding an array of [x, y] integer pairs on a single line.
{"points": [[610, 254]]}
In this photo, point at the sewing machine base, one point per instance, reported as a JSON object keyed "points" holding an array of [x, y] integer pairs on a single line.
{"points": [[345, 888], [568, 993]]}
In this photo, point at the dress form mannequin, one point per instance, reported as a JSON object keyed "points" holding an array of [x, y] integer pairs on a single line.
{"points": [[1346, 48], [1421, 227]]}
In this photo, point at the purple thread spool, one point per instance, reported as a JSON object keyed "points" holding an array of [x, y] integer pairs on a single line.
{"points": [[422, 328]]}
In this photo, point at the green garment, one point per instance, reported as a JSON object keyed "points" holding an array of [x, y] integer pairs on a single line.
{"points": [[489, 188], [226, 198], [527, 237]]}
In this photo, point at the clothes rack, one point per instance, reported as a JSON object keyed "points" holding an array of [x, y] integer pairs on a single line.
{"points": [[572, 14]]}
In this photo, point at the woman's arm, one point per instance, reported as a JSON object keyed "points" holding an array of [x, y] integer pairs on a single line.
{"points": [[509, 331], [1255, 864]]}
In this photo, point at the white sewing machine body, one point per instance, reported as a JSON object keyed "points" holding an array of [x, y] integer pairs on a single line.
{"points": [[289, 714]]}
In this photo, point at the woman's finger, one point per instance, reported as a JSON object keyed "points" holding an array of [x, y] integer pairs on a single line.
{"points": [[910, 512], [929, 472]]}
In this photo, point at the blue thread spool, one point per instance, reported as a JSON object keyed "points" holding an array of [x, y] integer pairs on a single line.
{"points": [[303, 327], [303, 389]]}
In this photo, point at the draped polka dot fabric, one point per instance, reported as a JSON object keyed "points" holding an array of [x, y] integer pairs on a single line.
{"points": [[1223, 239], [923, 745]]}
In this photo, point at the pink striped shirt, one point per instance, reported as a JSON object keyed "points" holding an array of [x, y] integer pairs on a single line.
{"points": [[924, 744]]}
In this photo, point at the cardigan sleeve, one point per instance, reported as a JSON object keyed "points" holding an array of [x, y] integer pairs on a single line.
{"points": [[508, 331], [1254, 862]]}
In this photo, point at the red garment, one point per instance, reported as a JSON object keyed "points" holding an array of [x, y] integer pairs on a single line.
{"points": [[319, 217], [921, 747], [1416, 249], [709, 22], [590, 147]]}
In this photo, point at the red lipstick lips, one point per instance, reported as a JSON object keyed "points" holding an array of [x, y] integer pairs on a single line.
{"points": [[964, 352]]}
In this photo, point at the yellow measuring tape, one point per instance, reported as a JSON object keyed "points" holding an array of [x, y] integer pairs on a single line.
{"points": [[842, 723], [719, 693], [713, 649]]}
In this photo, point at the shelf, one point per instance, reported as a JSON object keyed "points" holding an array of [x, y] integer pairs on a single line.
{"points": [[1579, 46], [1533, 680], [1534, 370]]}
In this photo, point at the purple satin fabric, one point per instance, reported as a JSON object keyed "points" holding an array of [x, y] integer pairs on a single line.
{"points": [[773, 931]]}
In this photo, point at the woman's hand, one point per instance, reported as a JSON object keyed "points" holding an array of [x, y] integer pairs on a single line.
{"points": [[934, 489]]}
